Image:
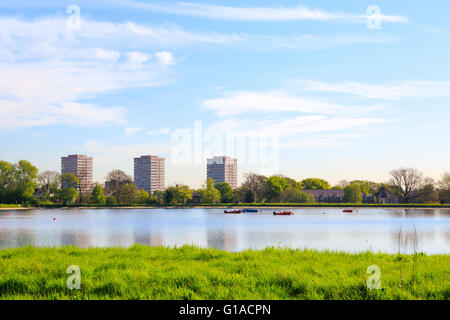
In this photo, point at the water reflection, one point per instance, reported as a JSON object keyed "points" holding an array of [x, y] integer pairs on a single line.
{"points": [[322, 229]]}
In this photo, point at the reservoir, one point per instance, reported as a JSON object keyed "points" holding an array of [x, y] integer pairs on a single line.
{"points": [[366, 229]]}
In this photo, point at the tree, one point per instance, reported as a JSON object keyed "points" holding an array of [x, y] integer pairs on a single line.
{"points": [[178, 194], [159, 197], [210, 194], [314, 184], [17, 182], [111, 201], [367, 187], [68, 195], [49, 183], [226, 192], [142, 197], [128, 194], [405, 182], [427, 194], [69, 180], [444, 188], [97, 196], [352, 193], [275, 185], [295, 195], [68, 192], [117, 179], [254, 188], [6, 181]]}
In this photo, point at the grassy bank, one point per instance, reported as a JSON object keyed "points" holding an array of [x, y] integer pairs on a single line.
{"points": [[10, 206], [142, 272]]}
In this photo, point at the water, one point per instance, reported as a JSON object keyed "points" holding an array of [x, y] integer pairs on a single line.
{"points": [[322, 229]]}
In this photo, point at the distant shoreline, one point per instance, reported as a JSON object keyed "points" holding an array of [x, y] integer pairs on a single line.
{"points": [[253, 206]]}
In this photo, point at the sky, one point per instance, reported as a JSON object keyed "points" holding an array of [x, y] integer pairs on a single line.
{"points": [[332, 89]]}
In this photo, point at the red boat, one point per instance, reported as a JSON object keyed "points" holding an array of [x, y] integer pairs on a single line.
{"points": [[283, 213], [233, 211], [347, 211]]}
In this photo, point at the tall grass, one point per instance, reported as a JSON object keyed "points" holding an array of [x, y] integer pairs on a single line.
{"points": [[141, 272]]}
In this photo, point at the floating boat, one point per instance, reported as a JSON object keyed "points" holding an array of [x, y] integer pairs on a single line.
{"points": [[250, 210], [283, 213], [347, 210], [233, 211]]}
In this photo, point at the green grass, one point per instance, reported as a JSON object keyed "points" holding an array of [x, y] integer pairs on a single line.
{"points": [[7, 206], [142, 272]]}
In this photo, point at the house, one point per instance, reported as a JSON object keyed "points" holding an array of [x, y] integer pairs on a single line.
{"points": [[335, 196], [386, 197], [327, 196]]}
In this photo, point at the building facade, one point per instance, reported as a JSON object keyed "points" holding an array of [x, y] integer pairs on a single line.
{"points": [[82, 167], [149, 173], [222, 169]]}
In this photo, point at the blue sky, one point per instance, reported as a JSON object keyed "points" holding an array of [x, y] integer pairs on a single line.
{"points": [[319, 89]]}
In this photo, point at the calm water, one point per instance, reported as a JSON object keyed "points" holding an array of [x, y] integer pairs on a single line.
{"points": [[369, 229]]}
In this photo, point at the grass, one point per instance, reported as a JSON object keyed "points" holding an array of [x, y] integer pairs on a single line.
{"points": [[10, 206], [142, 272]]}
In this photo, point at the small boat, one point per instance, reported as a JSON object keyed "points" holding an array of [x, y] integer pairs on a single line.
{"points": [[250, 210], [283, 213], [347, 210], [233, 211]]}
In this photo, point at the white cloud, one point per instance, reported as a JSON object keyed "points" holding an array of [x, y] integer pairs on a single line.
{"points": [[239, 102], [165, 58], [300, 121], [47, 69], [258, 13], [391, 91]]}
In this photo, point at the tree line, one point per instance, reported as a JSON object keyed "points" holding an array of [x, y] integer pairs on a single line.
{"points": [[21, 183]]}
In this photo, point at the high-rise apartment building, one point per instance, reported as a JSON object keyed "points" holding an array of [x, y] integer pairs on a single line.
{"points": [[81, 166], [222, 169], [149, 173]]}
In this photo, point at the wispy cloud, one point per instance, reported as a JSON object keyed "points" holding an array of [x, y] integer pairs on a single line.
{"points": [[46, 70], [239, 102], [391, 91], [218, 12], [299, 120]]}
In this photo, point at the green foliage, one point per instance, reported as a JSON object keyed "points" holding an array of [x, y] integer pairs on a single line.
{"points": [[314, 184], [127, 194], [427, 194], [17, 182], [158, 273], [178, 194], [97, 196], [275, 185], [68, 195], [210, 193], [366, 187], [69, 180], [294, 195], [111, 201], [226, 192], [143, 197], [352, 193]]}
